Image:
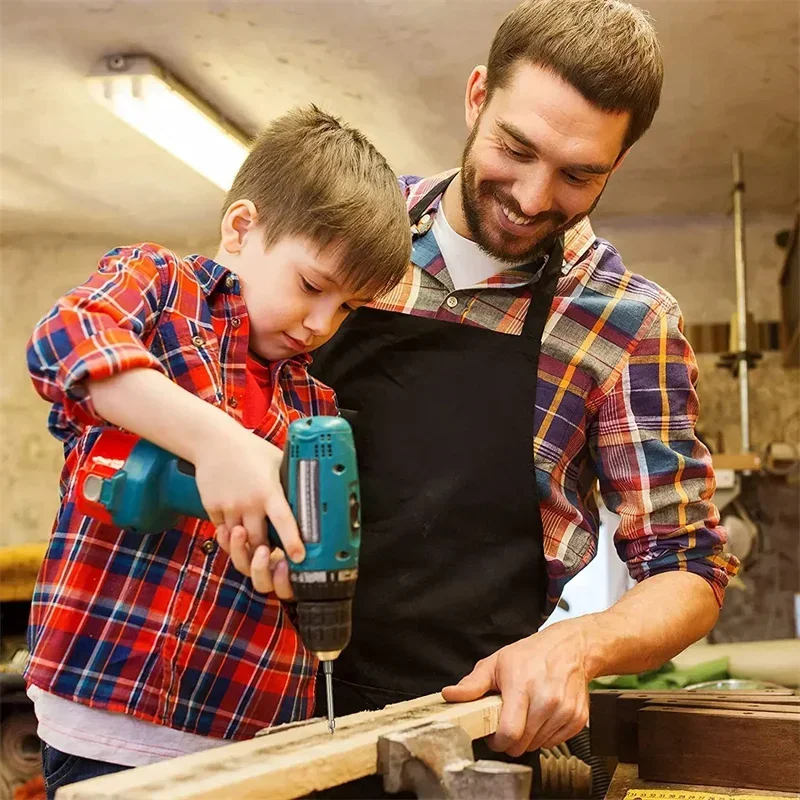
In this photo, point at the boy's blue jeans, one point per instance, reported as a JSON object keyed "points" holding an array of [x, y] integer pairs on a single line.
{"points": [[60, 769]]}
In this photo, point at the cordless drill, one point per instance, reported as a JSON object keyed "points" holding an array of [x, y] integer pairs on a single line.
{"points": [[133, 484]]}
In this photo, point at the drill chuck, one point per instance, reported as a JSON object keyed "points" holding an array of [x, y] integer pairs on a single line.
{"points": [[325, 626]]}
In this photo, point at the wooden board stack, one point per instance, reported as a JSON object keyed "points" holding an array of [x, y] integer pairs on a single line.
{"points": [[740, 739]]}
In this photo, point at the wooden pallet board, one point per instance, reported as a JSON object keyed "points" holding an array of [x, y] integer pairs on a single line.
{"points": [[289, 762], [751, 749]]}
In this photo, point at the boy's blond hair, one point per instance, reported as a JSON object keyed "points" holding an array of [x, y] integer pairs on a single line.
{"points": [[311, 176]]}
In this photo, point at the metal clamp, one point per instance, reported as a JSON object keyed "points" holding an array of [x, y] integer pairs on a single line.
{"points": [[436, 761]]}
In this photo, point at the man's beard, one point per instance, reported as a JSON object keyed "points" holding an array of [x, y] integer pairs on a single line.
{"points": [[509, 248]]}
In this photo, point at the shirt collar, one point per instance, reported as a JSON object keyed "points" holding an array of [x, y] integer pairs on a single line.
{"points": [[212, 276], [577, 240]]}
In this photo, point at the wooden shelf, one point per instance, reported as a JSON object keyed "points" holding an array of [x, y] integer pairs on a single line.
{"points": [[19, 566], [737, 461]]}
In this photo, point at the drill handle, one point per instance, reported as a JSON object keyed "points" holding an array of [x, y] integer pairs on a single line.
{"points": [[179, 484], [181, 488]]}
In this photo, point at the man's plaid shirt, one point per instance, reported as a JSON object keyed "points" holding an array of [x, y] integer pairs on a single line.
{"points": [[615, 401], [161, 627]]}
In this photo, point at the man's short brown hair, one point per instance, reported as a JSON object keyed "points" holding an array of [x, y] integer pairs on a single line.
{"points": [[606, 49], [313, 177]]}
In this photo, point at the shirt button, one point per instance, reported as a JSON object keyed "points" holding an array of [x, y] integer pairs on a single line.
{"points": [[452, 302], [209, 546], [198, 341], [236, 322], [230, 281], [233, 402]]}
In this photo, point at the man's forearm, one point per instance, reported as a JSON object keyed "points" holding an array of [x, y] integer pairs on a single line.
{"points": [[150, 405], [653, 622]]}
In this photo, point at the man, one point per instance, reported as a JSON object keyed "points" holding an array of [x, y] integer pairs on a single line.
{"points": [[518, 363]]}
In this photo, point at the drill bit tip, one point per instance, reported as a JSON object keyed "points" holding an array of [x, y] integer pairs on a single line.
{"points": [[327, 668]]}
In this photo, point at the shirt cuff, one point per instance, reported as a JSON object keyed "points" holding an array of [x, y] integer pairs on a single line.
{"points": [[715, 568]]}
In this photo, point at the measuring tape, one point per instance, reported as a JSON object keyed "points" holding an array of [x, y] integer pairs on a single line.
{"points": [[678, 794]]}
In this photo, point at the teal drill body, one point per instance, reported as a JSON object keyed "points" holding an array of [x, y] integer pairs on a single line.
{"points": [[148, 489]]}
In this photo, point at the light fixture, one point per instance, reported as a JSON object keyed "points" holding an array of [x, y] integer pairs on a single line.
{"points": [[148, 98]]}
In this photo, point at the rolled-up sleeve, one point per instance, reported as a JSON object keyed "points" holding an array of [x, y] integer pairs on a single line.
{"points": [[96, 331], [653, 470]]}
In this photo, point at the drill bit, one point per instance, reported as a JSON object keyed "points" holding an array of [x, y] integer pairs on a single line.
{"points": [[327, 667]]}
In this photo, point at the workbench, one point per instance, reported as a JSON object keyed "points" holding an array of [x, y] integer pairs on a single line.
{"points": [[626, 777]]}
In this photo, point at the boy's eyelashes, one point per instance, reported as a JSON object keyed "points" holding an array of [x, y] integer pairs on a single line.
{"points": [[311, 289]]}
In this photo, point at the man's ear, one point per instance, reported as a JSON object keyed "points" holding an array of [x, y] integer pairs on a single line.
{"points": [[475, 96], [240, 218]]}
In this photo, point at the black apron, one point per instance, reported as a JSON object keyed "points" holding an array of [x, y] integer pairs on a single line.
{"points": [[452, 565]]}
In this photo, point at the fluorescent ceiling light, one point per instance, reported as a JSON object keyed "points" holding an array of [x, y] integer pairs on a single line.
{"points": [[151, 100]]}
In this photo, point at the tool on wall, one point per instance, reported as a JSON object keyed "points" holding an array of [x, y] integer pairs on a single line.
{"points": [[133, 484], [740, 360]]}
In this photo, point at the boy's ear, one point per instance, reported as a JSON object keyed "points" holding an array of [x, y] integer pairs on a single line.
{"points": [[240, 218]]}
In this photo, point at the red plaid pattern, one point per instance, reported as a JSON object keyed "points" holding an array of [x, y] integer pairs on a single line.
{"points": [[161, 627]]}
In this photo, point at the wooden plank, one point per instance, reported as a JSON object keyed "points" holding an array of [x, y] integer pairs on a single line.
{"points": [[613, 714], [19, 567], [788, 707], [603, 721], [776, 660], [629, 706], [751, 749], [287, 763]]}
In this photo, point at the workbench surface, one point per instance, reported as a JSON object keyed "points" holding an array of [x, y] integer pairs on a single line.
{"points": [[626, 777]]}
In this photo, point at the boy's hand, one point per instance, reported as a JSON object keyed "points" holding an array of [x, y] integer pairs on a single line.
{"points": [[237, 473], [269, 571], [239, 483]]}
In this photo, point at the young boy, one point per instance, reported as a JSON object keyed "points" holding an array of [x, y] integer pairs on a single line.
{"points": [[148, 647]]}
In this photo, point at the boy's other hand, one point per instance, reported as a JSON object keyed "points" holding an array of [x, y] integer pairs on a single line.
{"points": [[268, 570], [239, 483]]}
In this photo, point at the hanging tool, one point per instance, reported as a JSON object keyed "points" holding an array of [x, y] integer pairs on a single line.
{"points": [[131, 483]]}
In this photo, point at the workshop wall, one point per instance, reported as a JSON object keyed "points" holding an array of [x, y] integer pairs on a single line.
{"points": [[33, 274], [692, 258]]}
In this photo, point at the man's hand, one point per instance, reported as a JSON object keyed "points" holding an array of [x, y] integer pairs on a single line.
{"points": [[544, 678], [544, 684]]}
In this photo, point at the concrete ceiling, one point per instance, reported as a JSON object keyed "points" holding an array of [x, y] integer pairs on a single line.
{"points": [[395, 69]]}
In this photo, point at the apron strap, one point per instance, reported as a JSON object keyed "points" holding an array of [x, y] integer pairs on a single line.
{"points": [[543, 292], [421, 206]]}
